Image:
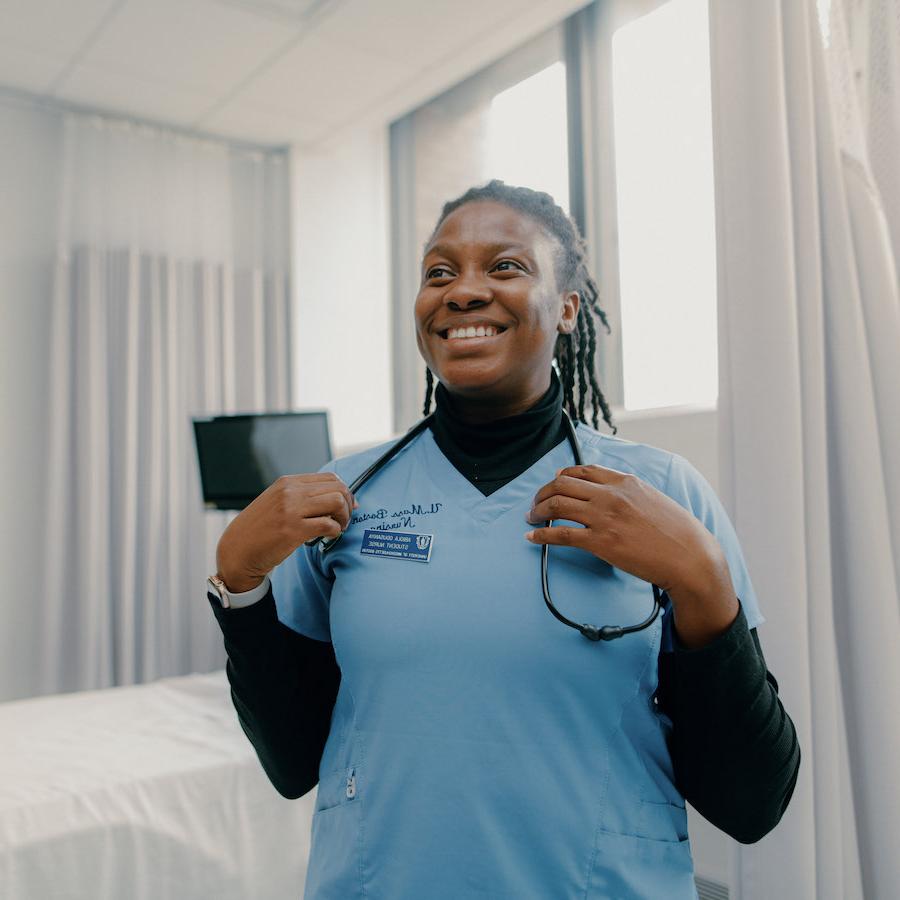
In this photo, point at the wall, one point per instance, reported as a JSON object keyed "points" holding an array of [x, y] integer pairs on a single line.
{"points": [[29, 154]]}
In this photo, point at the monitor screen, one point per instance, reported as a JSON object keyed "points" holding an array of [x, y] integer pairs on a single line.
{"points": [[240, 456]]}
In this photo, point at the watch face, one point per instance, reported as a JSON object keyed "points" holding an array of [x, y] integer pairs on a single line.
{"points": [[218, 588]]}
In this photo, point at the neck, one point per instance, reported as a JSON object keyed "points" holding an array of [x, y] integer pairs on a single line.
{"points": [[477, 408]]}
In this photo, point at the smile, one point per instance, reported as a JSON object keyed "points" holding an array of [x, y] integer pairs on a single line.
{"points": [[470, 332]]}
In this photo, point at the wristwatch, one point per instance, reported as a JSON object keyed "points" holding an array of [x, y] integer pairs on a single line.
{"points": [[217, 587]]}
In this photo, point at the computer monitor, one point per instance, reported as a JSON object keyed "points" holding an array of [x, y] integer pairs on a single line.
{"points": [[241, 455]]}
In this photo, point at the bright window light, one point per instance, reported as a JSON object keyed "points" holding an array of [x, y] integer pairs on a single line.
{"points": [[526, 135], [823, 7], [666, 210]]}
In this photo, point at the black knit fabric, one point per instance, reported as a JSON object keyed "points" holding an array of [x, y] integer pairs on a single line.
{"points": [[734, 748], [491, 454]]}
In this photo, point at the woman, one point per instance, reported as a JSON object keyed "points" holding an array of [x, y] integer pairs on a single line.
{"points": [[465, 743]]}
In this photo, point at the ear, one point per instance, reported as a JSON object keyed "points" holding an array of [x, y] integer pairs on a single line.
{"points": [[569, 312]]}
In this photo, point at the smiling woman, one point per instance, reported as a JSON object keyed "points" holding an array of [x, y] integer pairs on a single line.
{"points": [[411, 669], [488, 264]]}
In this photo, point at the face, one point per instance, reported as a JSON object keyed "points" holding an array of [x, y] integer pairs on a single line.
{"points": [[491, 268]]}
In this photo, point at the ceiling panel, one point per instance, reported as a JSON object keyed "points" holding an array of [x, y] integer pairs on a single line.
{"points": [[27, 70], [108, 89], [293, 10], [252, 122], [419, 32], [325, 80], [259, 70], [59, 26], [202, 44]]}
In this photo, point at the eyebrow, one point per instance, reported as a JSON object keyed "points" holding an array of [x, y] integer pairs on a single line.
{"points": [[446, 250]]}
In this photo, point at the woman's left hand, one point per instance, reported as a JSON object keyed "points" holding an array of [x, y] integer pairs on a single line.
{"points": [[632, 526]]}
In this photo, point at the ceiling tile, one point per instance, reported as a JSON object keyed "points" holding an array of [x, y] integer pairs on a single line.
{"points": [[202, 44], [108, 89], [325, 80], [250, 122], [57, 26], [416, 32], [28, 70]]}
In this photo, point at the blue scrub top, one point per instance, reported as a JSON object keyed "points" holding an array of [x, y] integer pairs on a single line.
{"points": [[479, 747]]}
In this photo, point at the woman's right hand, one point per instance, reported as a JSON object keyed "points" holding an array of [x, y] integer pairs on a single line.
{"points": [[292, 510]]}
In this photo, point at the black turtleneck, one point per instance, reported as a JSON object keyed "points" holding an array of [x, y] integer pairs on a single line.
{"points": [[490, 454], [734, 748]]}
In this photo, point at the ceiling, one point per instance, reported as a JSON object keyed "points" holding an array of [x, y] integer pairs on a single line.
{"points": [[269, 72]]}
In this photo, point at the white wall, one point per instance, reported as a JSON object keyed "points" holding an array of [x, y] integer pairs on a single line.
{"points": [[29, 155], [341, 282]]}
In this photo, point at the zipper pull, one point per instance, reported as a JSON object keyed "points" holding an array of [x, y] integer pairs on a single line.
{"points": [[351, 783]]}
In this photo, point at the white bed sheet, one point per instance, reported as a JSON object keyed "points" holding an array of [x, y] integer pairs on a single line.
{"points": [[143, 793]]}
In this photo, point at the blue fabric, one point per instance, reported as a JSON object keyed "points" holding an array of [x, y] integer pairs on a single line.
{"points": [[479, 747]]}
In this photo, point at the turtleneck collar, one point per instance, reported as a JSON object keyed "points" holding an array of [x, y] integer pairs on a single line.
{"points": [[490, 454]]}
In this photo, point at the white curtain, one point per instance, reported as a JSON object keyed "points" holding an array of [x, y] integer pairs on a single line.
{"points": [[170, 301], [807, 156]]}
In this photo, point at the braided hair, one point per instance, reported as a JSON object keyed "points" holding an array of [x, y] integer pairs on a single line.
{"points": [[574, 352]]}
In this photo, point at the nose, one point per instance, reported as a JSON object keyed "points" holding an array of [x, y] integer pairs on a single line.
{"points": [[467, 293]]}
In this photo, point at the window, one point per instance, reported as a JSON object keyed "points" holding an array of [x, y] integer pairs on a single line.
{"points": [[520, 153], [666, 207], [622, 92]]}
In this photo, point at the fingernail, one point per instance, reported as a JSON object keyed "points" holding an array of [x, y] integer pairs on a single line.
{"points": [[529, 536]]}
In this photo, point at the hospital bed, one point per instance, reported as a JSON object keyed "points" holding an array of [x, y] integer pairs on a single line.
{"points": [[144, 792]]}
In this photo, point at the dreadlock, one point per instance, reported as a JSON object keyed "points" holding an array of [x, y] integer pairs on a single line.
{"points": [[574, 352]]}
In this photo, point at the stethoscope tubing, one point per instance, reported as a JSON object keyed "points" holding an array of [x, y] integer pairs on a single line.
{"points": [[592, 632]]}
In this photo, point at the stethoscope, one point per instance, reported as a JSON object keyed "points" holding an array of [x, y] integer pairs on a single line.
{"points": [[592, 632]]}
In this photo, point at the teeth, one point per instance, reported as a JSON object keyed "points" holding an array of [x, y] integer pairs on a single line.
{"points": [[472, 331]]}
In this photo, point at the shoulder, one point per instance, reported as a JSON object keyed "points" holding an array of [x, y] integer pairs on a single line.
{"points": [[669, 472], [651, 464]]}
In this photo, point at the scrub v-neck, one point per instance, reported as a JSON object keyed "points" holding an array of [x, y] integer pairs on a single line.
{"points": [[490, 454], [486, 509]]}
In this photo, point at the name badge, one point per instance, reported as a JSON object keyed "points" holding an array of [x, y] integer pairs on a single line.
{"points": [[397, 545]]}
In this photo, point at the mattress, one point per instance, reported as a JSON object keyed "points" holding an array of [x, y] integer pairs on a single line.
{"points": [[146, 791]]}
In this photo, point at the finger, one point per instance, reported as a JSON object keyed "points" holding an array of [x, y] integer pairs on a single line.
{"points": [[593, 472], [323, 481], [336, 479], [334, 504], [561, 535], [328, 487], [567, 486], [313, 477], [556, 506], [324, 526]]}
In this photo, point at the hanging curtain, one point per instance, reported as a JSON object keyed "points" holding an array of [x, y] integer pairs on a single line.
{"points": [[808, 230], [170, 301]]}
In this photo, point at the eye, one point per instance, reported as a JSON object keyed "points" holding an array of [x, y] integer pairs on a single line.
{"points": [[504, 261], [433, 269]]}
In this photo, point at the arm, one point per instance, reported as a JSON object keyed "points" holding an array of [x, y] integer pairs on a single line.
{"points": [[283, 687], [734, 748]]}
